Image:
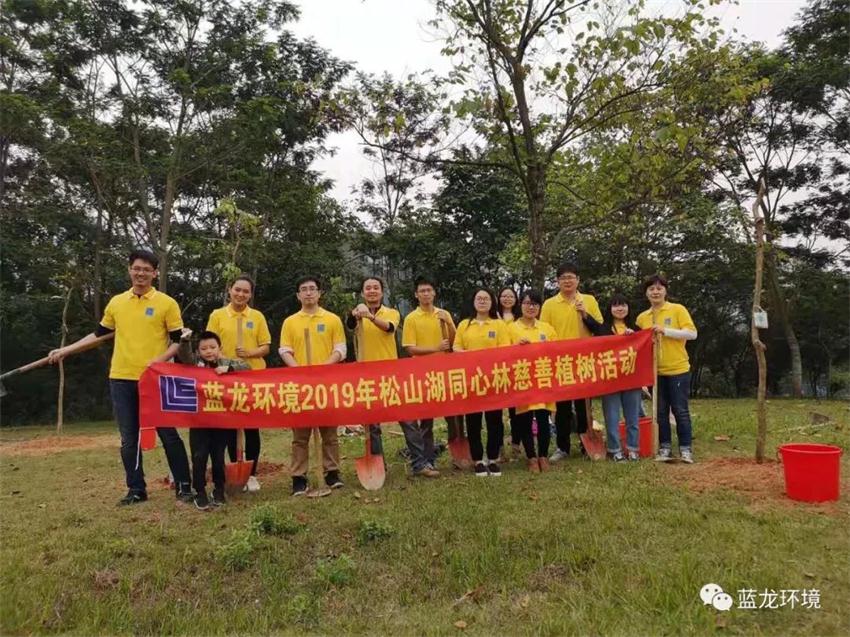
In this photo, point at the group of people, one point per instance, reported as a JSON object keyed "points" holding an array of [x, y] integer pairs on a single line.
{"points": [[148, 328]]}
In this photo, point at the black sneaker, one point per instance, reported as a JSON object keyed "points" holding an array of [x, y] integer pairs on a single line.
{"points": [[201, 501], [299, 485], [480, 470], [494, 469], [218, 498], [333, 480], [184, 493], [133, 497]]}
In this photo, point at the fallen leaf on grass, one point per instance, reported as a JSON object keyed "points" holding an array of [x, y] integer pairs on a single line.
{"points": [[470, 595], [722, 438], [525, 600], [809, 575], [357, 494], [460, 624], [721, 621], [533, 496]]}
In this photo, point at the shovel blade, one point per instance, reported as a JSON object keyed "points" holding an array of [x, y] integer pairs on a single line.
{"points": [[236, 474], [371, 472], [594, 444], [459, 450]]}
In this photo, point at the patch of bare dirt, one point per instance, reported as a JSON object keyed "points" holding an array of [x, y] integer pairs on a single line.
{"points": [[57, 444], [763, 484]]}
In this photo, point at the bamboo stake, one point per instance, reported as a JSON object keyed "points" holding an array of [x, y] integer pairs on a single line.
{"points": [[758, 345]]}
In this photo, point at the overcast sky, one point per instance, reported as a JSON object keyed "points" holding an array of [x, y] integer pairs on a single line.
{"points": [[391, 36]]}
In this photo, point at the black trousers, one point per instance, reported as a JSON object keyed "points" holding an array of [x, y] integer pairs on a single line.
{"points": [[495, 434], [515, 434], [252, 446], [207, 444], [544, 435], [567, 421]]}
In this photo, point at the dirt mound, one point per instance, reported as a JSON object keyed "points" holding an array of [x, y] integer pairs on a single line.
{"points": [[56, 444], [763, 484]]}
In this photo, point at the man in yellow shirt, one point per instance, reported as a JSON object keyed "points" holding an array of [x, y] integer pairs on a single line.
{"points": [[234, 321], [147, 326], [377, 326], [673, 322], [429, 330], [327, 345], [573, 315]]}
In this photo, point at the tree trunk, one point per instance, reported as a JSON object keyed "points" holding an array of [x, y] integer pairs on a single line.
{"points": [[98, 264], [536, 207], [777, 298]]}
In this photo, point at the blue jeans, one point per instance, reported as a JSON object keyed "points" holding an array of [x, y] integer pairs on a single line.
{"points": [[414, 436], [630, 402], [125, 405], [673, 394]]}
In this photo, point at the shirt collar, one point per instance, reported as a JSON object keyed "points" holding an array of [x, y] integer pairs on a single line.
{"points": [[232, 312], [147, 295], [319, 313]]}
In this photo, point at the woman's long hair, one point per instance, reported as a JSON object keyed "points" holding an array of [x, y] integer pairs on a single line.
{"points": [[618, 299], [471, 313], [514, 311]]}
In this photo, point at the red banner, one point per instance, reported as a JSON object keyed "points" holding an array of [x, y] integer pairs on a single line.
{"points": [[173, 395]]}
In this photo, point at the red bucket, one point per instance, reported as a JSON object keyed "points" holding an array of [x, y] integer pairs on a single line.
{"points": [[812, 472], [147, 438], [644, 436]]}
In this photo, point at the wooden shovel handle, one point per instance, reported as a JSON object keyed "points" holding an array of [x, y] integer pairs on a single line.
{"points": [[41, 362], [308, 346], [655, 346], [238, 332]]}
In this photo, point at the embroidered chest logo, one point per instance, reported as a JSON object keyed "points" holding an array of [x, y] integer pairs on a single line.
{"points": [[320, 328], [148, 311]]}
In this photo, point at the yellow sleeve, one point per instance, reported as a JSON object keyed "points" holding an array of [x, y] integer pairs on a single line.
{"points": [[394, 318], [503, 337], [337, 332], [212, 323], [546, 311], [461, 330], [286, 339], [108, 320], [173, 319], [408, 333], [593, 309], [683, 317], [264, 337]]}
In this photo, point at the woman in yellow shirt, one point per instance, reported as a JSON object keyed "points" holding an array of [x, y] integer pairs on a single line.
{"points": [[482, 330], [524, 331], [509, 311]]}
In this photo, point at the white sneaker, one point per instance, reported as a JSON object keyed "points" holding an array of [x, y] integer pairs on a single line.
{"points": [[558, 455], [253, 485]]}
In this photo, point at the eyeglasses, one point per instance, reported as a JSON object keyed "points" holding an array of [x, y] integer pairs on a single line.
{"points": [[142, 270], [531, 304], [311, 288]]}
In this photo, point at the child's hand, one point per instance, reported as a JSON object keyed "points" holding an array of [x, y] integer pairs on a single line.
{"points": [[221, 369]]}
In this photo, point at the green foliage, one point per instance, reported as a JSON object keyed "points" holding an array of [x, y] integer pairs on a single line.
{"points": [[370, 531], [336, 571], [237, 553], [268, 519]]}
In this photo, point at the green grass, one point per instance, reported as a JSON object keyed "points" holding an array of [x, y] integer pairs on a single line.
{"points": [[590, 548]]}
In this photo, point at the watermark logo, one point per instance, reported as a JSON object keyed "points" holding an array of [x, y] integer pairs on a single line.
{"points": [[751, 599]]}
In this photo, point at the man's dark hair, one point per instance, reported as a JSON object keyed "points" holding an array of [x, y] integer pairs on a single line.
{"points": [[567, 267], [652, 280], [243, 277], [143, 255], [423, 280], [372, 278], [308, 278], [207, 335]]}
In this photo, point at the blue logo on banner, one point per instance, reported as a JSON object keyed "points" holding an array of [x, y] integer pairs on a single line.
{"points": [[320, 328], [177, 393], [148, 311], [491, 334], [250, 325]]}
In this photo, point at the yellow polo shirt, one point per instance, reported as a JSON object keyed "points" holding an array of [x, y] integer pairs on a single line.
{"points": [[563, 316], [141, 325], [473, 335], [325, 330], [672, 357], [422, 329], [538, 333], [376, 344], [255, 331]]}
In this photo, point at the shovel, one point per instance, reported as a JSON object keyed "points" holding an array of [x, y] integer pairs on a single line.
{"points": [[459, 445], [318, 491], [656, 342], [236, 474], [41, 362], [594, 443], [370, 468]]}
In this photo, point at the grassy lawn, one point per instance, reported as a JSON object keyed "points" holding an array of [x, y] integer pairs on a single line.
{"points": [[589, 548]]}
